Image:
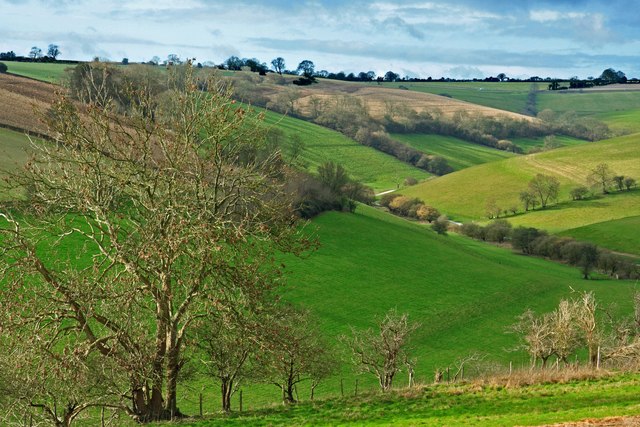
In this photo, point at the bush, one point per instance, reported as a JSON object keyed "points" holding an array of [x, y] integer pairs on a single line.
{"points": [[473, 230], [523, 238], [410, 181], [498, 231], [3, 68], [427, 213], [386, 199], [579, 193], [441, 225]]}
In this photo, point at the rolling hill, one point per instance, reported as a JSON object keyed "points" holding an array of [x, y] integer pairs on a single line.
{"points": [[464, 194]]}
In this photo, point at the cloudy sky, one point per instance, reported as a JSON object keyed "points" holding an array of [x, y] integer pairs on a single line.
{"points": [[462, 39]]}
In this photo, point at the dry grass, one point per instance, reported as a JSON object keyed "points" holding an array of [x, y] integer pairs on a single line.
{"points": [[527, 377]]}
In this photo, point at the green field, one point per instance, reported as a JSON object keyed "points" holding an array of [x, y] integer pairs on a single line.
{"points": [[460, 405], [588, 103], [365, 164], [464, 293], [528, 143], [47, 72], [464, 194], [627, 121], [621, 235], [458, 153], [13, 153], [504, 96]]}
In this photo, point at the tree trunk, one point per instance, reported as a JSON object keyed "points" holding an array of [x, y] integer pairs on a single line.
{"points": [[226, 387]]}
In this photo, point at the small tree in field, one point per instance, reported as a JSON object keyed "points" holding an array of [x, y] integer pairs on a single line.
{"points": [[383, 352], [601, 176], [544, 188]]}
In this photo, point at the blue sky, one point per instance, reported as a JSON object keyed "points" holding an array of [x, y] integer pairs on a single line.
{"points": [[462, 39]]}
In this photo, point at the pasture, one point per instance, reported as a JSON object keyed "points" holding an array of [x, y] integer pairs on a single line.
{"points": [[474, 404], [43, 71], [622, 235], [365, 164], [459, 154], [526, 144], [464, 194], [500, 95]]}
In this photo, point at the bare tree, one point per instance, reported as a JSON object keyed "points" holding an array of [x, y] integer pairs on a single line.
{"points": [[536, 334], [166, 217], [383, 351], [545, 188], [278, 64], [601, 176], [297, 353], [35, 52], [53, 51]]}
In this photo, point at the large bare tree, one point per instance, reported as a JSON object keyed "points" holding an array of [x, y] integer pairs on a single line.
{"points": [[132, 229]]}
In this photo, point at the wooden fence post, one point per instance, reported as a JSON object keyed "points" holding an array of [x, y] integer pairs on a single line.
{"points": [[200, 405], [240, 400], [341, 387], [356, 393]]}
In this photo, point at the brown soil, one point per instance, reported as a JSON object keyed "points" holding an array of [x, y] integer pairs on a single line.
{"points": [[23, 101]]}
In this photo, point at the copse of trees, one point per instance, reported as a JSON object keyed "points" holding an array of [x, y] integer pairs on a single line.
{"points": [[409, 207]]}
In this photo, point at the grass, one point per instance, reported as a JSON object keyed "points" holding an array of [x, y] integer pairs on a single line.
{"points": [[621, 235], [464, 194], [14, 148], [503, 96], [46, 72], [589, 103], [365, 164], [459, 405], [528, 143], [458, 153], [627, 121]]}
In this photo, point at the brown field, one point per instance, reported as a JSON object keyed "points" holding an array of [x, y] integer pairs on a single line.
{"points": [[378, 99], [23, 101]]}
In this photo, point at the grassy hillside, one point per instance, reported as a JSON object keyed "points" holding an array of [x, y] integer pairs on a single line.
{"points": [[464, 293], [626, 121], [619, 235], [13, 152], [458, 153], [365, 164], [462, 405], [564, 141], [504, 96], [465, 194], [589, 102], [47, 72]]}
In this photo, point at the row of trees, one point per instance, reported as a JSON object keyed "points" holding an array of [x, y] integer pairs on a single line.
{"points": [[532, 241], [35, 54], [577, 324]]}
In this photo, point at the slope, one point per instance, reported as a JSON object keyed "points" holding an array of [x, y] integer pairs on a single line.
{"points": [[365, 164], [459, 154], [465, 194]]}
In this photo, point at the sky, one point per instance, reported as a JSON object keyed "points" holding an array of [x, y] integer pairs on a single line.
{"points": [[459, 39]]}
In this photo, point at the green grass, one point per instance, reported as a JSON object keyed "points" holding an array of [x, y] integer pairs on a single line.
{"points": [[528, 143], [626, 121], [589, 103], [14, 148], [464, 194], [504, 96], [621, 235], [459, 405], [47, 72], [458, 153], [365, 164]]}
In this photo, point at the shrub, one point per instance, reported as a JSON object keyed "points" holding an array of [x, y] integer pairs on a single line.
{"points": [[410, 181], [473, 230], [523, 238], [441, 225], [579, 193], [3, 67], [386, 199], [498, 231], [427, 213]]}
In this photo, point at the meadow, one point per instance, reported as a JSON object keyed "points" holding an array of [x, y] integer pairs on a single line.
{"points": [[44, 71], [365, 164], [526, 144], [459, 154], [463, 195], [621, 235], [501, 95], [474, 404]]}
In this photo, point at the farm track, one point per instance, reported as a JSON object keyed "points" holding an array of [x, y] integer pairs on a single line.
{"points": [[24, 99]]}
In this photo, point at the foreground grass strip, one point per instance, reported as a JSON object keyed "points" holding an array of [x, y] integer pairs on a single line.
{"points": [[460, 405]]}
